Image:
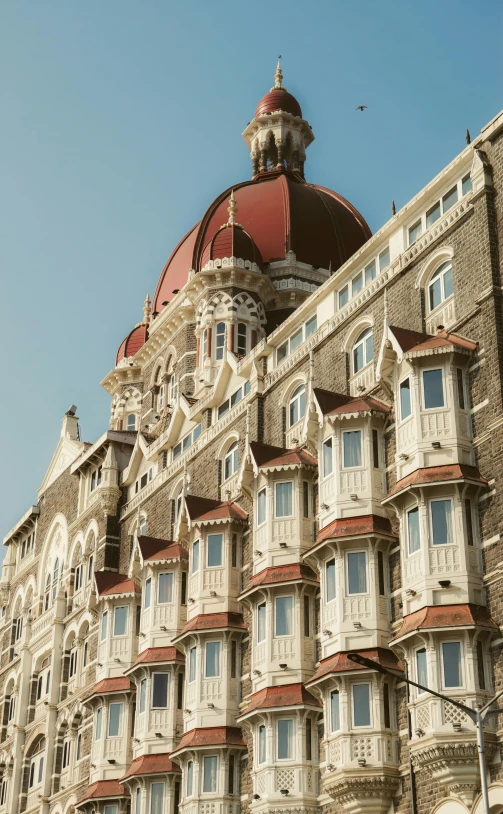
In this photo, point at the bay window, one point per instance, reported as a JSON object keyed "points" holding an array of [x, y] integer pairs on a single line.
{"points": [[451, 662], [352, 449], [361, 705], [357, 572], [283, 493], [441, 522], [215, 550], [285, 739], [284, 616], [210, 767]]}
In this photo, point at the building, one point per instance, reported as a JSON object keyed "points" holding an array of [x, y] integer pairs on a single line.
{"points": [[303, 459]]}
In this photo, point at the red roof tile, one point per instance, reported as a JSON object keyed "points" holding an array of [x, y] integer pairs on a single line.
{"points": [[283, 573], [445, 616], [443, 339], [266, 455], [211, 736], [231, 240], [132, 343], [204, 509], [101, 790], [151, 764], [340, 404], [284, 695], [108, 685], [212, 621], [351, 526], [153, 548], [434, 474], [339, 662], [155, 655], [109, 583]]}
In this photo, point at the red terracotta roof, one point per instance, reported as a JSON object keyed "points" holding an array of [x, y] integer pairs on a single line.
{"points": [[153, 548], [284, 695], [231, 241], [266, 455], [211, 736], [350, 526], [151, 764], [339, 403], [132, 343], [109, 583], [101, 790], [339, 662], [445, 616], [211, 621], [283, 573], [434, 474], [443, 339], [205, 509], [109, 685], [155, 655], [278, 99]]}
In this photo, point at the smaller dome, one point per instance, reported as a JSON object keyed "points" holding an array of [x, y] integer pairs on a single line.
{"points": [[132, 343], [231, 241], [278, 99]]}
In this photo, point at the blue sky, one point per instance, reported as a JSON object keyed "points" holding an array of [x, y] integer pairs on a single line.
{"points": [[122, 120]]}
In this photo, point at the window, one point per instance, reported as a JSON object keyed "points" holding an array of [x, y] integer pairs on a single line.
{"points": [[441, 523], [327, 457], [432, 215], [440, 286], [137, 801], [421, 669], [363, 350], [283, 499], [195, 556], [285, 739], [111, 809], [234, 551], [352, 449], [241, 345], [90, 568], [160, 397], [148, 592], [215, 550], [3, 792], [234, 658], [96, 477], [343, 296], [143, 695], [12, 708], [370, 272], [120, 620], [192, 664], [305, 498], [433, 389], [413, 532], [234, 399], [230, 786], [77, 585], [480, 666], [297, 405], [179, 700], [405, 400], [309, 740], [18, 628], [210, 766], [131, 422], [36, 770], [466, 185], [114, 720], [380, 573], [73, 663], [212, 660], [142, 528], [66, 755], [415, 232], [361, 704], [205, 345], [157, 798], [375, 449], [97, 723], [357, 572], [262, 744], [190, 778], [284, 616], [261, 507], [386, 706], [449, 199], [384, 259], [84, 655], [307, 616], [165, 588], [296, 339], [219, 341], [335, 719], [104, 625], [261, 622], [461, 388], [160, 682], [330, 580], [469, 522], [357, 284], [231, 461], [451, 658], [187, 441]]}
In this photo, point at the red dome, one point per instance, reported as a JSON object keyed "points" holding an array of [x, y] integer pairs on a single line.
{"points": [[132, 343], [281, 212], [231, 241], [278, 99]]}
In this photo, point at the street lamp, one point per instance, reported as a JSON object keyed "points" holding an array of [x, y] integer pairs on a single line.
{"points": [[478, 715]]}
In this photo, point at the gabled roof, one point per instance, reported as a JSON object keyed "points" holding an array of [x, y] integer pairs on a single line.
{"points": [[158, 655], [211, 736], [206, 510], [214, 621], [413, 342], [284, 695], [408, 339], [154, 549], [352, 526], [268, 457], [445, 616], [339, 663], [282, 573], [109, 583], [101, 790], [151, 764], [436, 474], [341, 404]]}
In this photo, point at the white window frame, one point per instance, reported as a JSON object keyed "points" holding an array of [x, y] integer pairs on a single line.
{"points": [[362, 450], [121, 635], [361, 726], [284, 635], [260, 605], [292, 744], [346, 563], [444, 390], [215, 534], [438, 200], [215, 757], [169, 574], [325, 444], [434, 276], [307, 331], [416, 671], [194, 678], [213, 641], [461, 665], [283, 516], [163, 673], [327, 562], [402, 381], [260, 491], [121, 719], [452, 541], [198, 543], [295, 397], [407, 512], [361, 339]]}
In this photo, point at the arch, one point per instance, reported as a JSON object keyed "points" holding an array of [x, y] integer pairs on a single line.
{"points": [[18, 602], [495, 792], [129, 401], [441, 255], [218, 307], [55, 546], [36, 741], [292, 385], [243, 305], [362, 351], [357, 328], [91, 536], [229, 439], [76, 550]]}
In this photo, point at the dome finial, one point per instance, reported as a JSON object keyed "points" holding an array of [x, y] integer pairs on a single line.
{"points": [[278, 76], [146, 310], [232, 210]]}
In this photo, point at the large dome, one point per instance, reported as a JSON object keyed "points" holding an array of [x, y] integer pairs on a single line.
{"points": [[281, 212]]}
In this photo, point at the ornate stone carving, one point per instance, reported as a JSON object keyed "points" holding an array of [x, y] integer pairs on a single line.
{"points": [[369, 792]]}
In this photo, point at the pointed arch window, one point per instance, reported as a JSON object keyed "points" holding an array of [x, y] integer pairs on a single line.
{"points": [[297, 405], [363, 350]]}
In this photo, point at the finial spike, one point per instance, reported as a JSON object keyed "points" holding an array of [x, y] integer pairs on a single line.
{"points": [[146, 310], [278, 76], [393, 208], [232, 210], [468, 136]]}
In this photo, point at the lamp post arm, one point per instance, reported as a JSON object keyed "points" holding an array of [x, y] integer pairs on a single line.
{"points": [[495, 698]]}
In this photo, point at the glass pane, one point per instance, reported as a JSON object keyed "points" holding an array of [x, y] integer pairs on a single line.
{"points": [[361, 704], [413, 530], [330, 576], [160, 690], [113, 809], [99, 713], [311, 325], [143, 694], [120, 621], [296, 340], [414, 232], [451, 653], [335, 722], [261, 623], [433, 389], [165, 588], [450, 199], [195, 557], [432, 215], [369, 349], [358, 357], [261, 507], [262, 744], [466, 184], [421, 669], [284, 507], [210, 774], [357, 572], [405, 402], [104, 625], [357, 284], [448, 284], [114, 719], [157, 798], [327, 457], [214, 550], [192, 664], [384, 260], [441, 522], [370, 273], [343, 296], [282, 352], [352, 448], [190, 777], [284, 616], [285, 739], [212, 659]]}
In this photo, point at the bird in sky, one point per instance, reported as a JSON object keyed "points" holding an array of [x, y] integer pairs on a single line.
{"points": [[361, 107]]}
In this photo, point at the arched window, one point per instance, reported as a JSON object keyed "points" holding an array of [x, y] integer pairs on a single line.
{"points": [[440, 286], [363, 350], [178, 504], [297, 405], [241, 341], [55, 578], [142, 527], [172, 389], [131, 422], [219, 340], [161, 397], [231, 461], [37, 765]]}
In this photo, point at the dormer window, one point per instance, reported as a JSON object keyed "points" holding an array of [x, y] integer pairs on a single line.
{"points": [[363, 350], [297, 405], [219, 341], [440, 286]]}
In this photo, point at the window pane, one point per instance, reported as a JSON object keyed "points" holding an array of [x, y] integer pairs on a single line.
{"points": [[343, 296], [433, 389], [120, 621], [284, 616], [375, 449], [262, 744], [157, 798], [97, 733], [421, 669], [414, 232], [335, 721], [210, 774], [357, 572], [143, 694], [282, 352], [357, 284], [192, 664], [190, 777], [384, 260], [432, 215], [327, 457], [261, 507], [295, 340], [448, 284], [352, 448], [195, 557], [160, 690], [386, 704], [307, 615], [330, 577], [370, 273], [466, 185], [215, 550], [114, 720], [311, 325], [405, 402], [212, 659], [380, 572], [451, 654], [461, 388], [113, 809], [480, 666], [284, 507], [441, 522], [104, 626], [413, 530], [358, 362], [165, 589], [450, 199], [285, 739], [361, 704], [261, 623]]}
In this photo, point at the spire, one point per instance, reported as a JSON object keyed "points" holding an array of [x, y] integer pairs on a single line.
{"points": [[146, 310], [278, 76], [232, 210]]}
